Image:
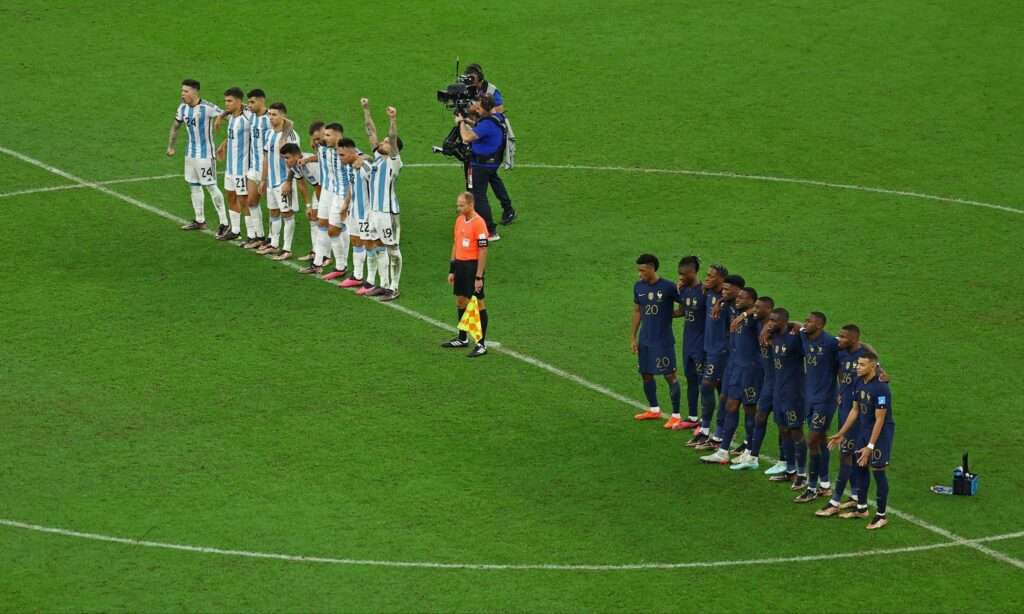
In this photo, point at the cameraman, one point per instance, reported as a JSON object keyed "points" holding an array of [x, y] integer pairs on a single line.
{"points": [[483, 87], [486, 138]]}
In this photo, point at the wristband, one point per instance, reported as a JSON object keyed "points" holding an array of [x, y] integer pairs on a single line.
{"points": [[451, 267], [871, 446], [480, 278]]}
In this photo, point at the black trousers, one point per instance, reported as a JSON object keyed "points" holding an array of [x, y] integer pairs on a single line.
{"points": [[482, 177]]}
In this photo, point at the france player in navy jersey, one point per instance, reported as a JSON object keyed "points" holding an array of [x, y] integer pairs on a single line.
{"points": [[722, 313], [715, 347], [692, 308], [787, 395], [744, 375], [654, 301], [760, 314], [820, 363], [872, 420]]}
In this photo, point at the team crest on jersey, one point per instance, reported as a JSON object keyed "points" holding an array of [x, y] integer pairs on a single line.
{"points": [[660, 294]]}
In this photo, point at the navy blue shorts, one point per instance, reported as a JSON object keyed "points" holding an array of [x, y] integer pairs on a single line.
{"points": [[764, 400], [752, 379], [880, 456], [819, 416], [656, 359], [790, 414], [714, 366], [693, 366], [732, 385]]}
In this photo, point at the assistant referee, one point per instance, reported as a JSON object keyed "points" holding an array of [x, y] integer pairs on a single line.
{"points": [[466, 269]]}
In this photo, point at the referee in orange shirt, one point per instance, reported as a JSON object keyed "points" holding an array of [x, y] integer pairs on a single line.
{"points": [[466, 269]]}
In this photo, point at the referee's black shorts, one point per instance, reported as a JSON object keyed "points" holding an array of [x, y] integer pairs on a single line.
{"points": [[465, 279]]}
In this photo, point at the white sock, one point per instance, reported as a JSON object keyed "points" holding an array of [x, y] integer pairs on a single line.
{"points": [[334, 245], [395, 257], [236, 221], [198, 207], [383, 267], [676, 416], [275, 231], [289, 232], [256, 214], [321, 244], [313, 228], [371, 265], [358, 258], [250, 227], [218, 203], [343, 263]]}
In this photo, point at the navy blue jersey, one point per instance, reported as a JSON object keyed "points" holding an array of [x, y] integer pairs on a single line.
{"points": [[767, 362], [692, 300], [746, 349], [716, 332], [656, 303], [872, 396], [788, 360], [846, 378], [820, 364]]}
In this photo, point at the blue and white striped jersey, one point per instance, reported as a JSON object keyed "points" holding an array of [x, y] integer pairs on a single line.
{"points": [[309, 171], [198, 120], [277, 169], [259, 131], [328, 161], [237, 158], [382, 175], [359, 183]]}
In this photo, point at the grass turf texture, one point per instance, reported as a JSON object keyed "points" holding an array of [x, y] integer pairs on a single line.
{"points": [[162, 386]]}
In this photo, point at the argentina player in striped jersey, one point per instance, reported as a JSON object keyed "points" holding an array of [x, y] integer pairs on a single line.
{"points": [[277, 185], [384, 211], [356, 207], [198, 117], [234, 151], [332, 237], [304, 173], [316, 135], [259, 130]]}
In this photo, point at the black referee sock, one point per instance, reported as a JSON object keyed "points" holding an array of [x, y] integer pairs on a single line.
{"points": [[462, 333], [483, 324]]}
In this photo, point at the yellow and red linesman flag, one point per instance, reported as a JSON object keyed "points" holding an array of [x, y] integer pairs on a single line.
{"points": [[470, 321]]}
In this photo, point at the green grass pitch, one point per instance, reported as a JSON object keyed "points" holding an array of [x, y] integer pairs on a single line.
{"points": [[160, 386]]}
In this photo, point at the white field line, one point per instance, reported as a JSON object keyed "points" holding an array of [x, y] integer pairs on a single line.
{"points": [[955, 539], [79, 186], [501, 566]]}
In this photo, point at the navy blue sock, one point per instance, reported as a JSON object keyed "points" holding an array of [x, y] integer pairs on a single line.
{"points": [[760, 427], [651, 392], [789, 451], [861, 479], [844, 477], [720, 418], [674, 394], [882, 496], [707, 403], [823, 458], [784, 453], [812, 477], [748, 427], [801, 456], [730, 421], [692, 396]]}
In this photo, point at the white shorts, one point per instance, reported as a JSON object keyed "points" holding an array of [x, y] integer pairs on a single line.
{"points": [[362, 228], [328, 204], [200, 172], [386, 227], [236, 184], [277, 200], [253, 175]]}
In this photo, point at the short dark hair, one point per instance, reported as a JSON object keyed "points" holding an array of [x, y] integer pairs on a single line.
{"points": [[346, 142], [820, 316], [475, 69], [315, 126], [752, 292], [690, 261], [767, 300], [256, 93], [781, 311], [192, 83], [720, 269], [290, 149], [487, 102], [853, 328], [650, 259], [280, 107], [869, 355], [335, 126], [735, 280], [234, 92]]}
